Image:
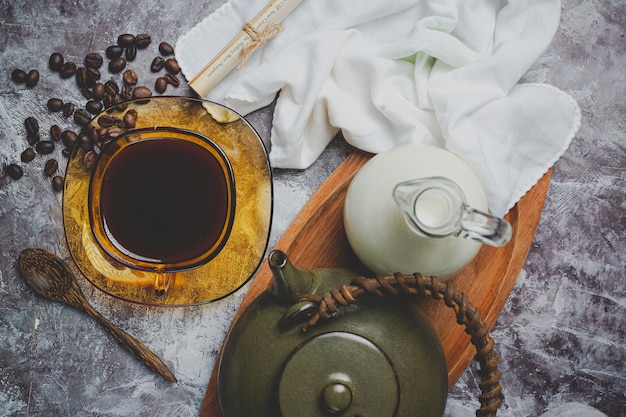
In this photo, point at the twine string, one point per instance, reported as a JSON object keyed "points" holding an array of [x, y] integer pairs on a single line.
{"points": [[258, 39]]}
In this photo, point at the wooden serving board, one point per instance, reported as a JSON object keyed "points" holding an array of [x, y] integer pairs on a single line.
{"points": [[316, 239]]}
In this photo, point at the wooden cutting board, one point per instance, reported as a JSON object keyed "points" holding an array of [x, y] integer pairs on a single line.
{"points": [[316, 239]]}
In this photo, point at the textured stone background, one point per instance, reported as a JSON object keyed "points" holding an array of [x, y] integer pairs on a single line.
{"points": [[562, 334]]}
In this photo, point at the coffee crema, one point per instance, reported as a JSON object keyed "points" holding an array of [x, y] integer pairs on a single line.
{"points": [[164, 202]]}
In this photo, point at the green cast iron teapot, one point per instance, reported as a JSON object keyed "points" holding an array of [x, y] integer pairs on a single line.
{"points": [[316, 345]]}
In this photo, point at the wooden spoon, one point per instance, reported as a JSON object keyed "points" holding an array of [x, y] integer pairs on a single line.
{"points": [[51, 278]]}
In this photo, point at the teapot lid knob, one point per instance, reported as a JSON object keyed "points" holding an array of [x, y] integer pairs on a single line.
{"points": [[337, 397]]}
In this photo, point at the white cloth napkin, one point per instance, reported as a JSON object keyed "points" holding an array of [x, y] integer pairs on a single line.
{"points": [[442, 72]]}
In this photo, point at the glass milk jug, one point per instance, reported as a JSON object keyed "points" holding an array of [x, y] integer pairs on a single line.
{"points": [[419, 208]]}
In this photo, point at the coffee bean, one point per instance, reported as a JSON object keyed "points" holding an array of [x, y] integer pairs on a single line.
{"points": [[93, 60], [55, 104], [82, 117], [94, 74], [117, 64], [166, 49], [114, 51], [157, 64], [68, 109], [90, 133], [89, 159], [57, 183], [114, 132], [141, 92], [82, 78], [69, 138], [107, 121], [98, 91], [119, 102], [127, 91], [111, 87], [28, 155], [107, 100], [32, 78], [86, 92], [32, 125], [55, 62], [66, 152], [171, 65], [172, 79], [32, 138], [94, 106], [130, 77], [160, 85], [55, 132], [126, 40], [130, 119], [18, 76], [142, 40], [131, 53], [67, 70], [14, 171], [44, 147], [50, 167]]}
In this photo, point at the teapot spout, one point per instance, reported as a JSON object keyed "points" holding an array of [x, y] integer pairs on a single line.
{"points": [[290, 282]]}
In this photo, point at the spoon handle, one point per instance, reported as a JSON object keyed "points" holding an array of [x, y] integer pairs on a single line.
{"points": [[133, 345]]}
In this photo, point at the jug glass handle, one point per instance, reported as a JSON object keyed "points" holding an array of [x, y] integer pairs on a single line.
{"points": [[436, 207]]}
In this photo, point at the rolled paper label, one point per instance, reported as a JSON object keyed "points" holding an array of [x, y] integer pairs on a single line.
{"points": [[254, 34]]}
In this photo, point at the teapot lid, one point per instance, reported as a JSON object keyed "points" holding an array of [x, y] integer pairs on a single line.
{"points": [[332, 374]]}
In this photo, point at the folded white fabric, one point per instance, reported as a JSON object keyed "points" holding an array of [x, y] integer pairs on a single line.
{"points": [[442, 72]]}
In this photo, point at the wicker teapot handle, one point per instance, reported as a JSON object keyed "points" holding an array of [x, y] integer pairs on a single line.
{"points": [[417, 285]]}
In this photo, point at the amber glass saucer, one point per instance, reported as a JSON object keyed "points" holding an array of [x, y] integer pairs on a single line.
{"points": [[245, 247]]}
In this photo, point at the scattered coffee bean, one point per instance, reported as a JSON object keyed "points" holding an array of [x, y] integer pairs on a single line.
{"points": [[130, 77], [114, 132], [126, 40], [68, 109], [130, 119], [142, 40], [172, 79], [82, 117], [119, 102], [55, 104], [82, 78], [160, 85], [131, 53], [50, 167], [32, 78], [117, 65], [55, 62], [94, 106], [18, 76], [107, 100], [44, 147], [28, 155], [114, 51], [66, 152], [55, 132], [107, 121], [111, 87], [90, 133], [32, 125], [141, 92], [57, 183], [166, 49], [67, 69], [93, 60], [157, 64], [69, 138], [171, 65], [89, 159], [14, 171], [127, 91], [94, 74], [98, 91], [32, 138], [86, 92]]}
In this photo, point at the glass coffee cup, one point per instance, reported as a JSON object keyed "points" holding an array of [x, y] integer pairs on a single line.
{"points": [[161, 200]]}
